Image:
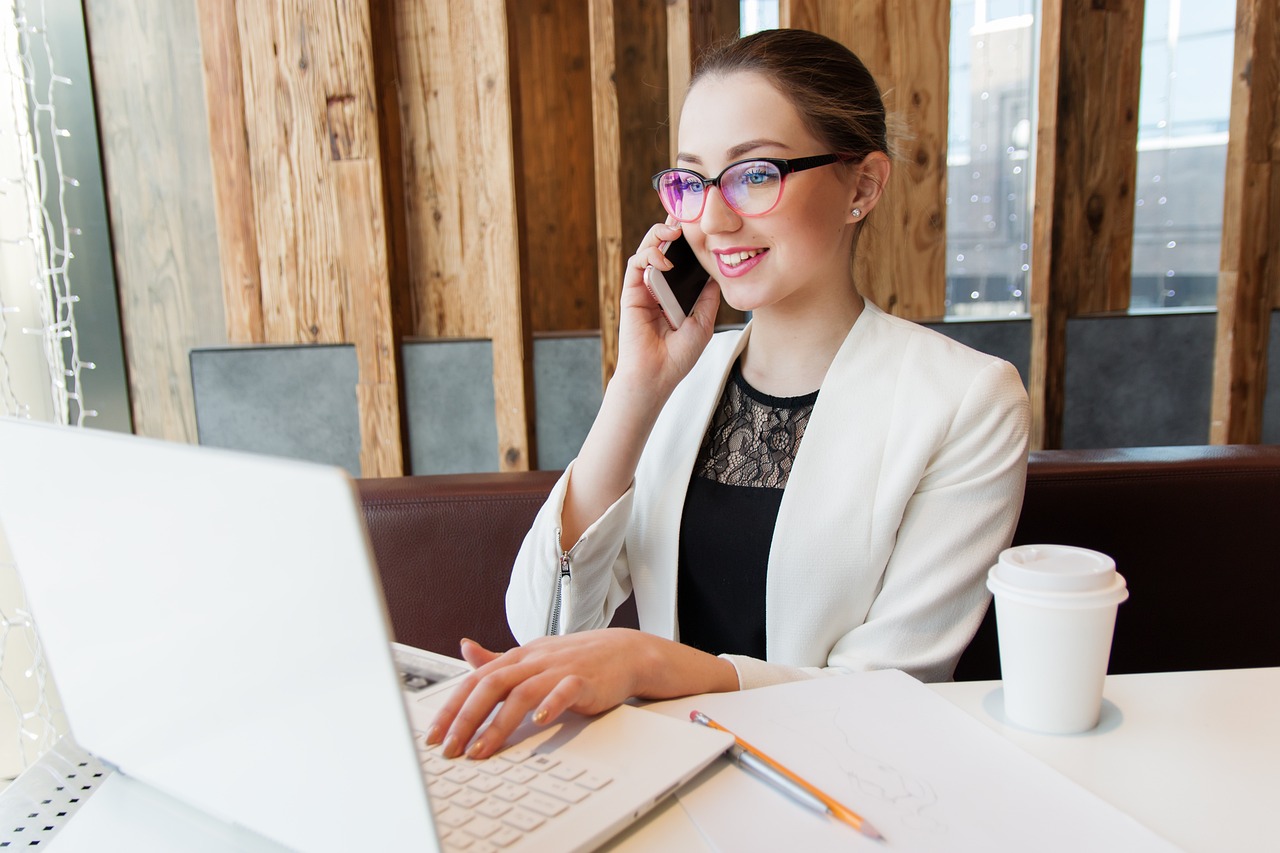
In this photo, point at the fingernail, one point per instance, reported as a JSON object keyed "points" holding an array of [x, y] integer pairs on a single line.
{"points": [[477, 749], [433, 735], [451, 748], [540, 716]]}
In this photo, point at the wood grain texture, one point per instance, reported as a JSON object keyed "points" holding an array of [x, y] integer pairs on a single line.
{"points": [[610, 259], [901, 257], [149, 92], [630, 112], [1249, 269], [362, 269], [555, 171], [461, 200], [1086, 161], [315, 161], [229, 153]]}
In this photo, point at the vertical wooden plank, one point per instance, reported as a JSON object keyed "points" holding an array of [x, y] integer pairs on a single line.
{"points": [[1251, 219], [362, 248], [630, 113], [154, 137], [1086, 161], [901, 262], [610, 259], [460, 197], [490, 234], [229, 153], [317, 176], [555, 173], [692, 27]]}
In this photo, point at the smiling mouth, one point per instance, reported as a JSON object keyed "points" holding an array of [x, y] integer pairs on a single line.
{"points": [[733, 259]]}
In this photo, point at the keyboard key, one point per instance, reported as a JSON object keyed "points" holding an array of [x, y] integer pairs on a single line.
{"points": [[560, 790], [520, 775], [442, 789], [461, 774], [454, 818], [492, 808], [542, 804], [541, 763], [510, 793], [485, 784], [566, 772], [480, 827], [525, 821], [467, 798], [505, 836]]}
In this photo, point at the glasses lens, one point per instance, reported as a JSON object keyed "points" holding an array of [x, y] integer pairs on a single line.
{"points": [[681, 193], [752, 188]]}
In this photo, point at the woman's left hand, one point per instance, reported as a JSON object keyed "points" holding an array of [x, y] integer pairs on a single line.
{"points": [[588, 672]]}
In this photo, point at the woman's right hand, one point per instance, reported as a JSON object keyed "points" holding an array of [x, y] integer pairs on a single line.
{"points": [[649, 351], [652, 359]]}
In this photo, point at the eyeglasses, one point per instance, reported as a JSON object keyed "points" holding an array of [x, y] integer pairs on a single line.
{"points": [[749, 187]]}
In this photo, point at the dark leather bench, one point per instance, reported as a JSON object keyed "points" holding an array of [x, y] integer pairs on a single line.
{"points": [[1194, 530]]}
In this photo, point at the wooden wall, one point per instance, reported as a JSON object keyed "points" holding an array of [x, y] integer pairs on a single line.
{"points": [[479, 169]]}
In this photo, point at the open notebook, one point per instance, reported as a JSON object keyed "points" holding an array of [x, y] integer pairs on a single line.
{"points": [[216, 631]]}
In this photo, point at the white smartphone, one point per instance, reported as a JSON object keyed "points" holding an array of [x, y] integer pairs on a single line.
{"points": [[677, 289]]}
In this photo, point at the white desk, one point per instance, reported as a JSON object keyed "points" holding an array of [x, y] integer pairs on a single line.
{"points": [[1193, 756]]}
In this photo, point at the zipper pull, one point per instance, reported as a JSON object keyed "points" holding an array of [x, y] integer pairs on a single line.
{"points": [[558, 602]]}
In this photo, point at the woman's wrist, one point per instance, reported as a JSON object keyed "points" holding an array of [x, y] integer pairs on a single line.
{"points": [[666, 669]]}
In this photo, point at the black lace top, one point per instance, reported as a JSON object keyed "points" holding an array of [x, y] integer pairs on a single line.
{"points": [[729, 514]]}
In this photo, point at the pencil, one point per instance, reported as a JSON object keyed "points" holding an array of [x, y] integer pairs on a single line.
{"points": [[837, 810]]}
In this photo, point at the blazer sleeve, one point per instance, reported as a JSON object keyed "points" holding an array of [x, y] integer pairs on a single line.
{"points": [[599, 578]]}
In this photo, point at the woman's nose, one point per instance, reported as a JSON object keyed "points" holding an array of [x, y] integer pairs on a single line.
{"points": [[717, 216]]}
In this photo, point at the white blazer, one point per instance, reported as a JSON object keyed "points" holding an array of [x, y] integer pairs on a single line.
{"points": [[906, 486]]}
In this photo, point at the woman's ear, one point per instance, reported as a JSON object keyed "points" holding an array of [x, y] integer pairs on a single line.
{"points": [[870, 179]]}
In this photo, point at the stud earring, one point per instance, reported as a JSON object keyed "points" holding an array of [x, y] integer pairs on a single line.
{"points": [[856, 212]]}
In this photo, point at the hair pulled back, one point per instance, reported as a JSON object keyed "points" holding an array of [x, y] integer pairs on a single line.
{"points": [[834, 93]]}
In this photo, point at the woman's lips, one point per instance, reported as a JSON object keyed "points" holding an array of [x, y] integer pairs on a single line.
{"points": [[733, 263]]}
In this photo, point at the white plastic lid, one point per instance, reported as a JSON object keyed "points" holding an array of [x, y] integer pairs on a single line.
{"points": [[1055, 568]]}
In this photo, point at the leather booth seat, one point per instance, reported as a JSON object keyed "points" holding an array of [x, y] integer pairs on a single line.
{"points": [[1194, 530]]}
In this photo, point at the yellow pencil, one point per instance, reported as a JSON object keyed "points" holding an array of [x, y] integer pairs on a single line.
{"points": [[788, 781]]}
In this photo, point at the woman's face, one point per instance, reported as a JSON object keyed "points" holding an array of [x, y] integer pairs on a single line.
{"points": [[796, 255]]}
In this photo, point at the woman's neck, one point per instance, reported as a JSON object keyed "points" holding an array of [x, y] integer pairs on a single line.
{"points": [[788, 353]]}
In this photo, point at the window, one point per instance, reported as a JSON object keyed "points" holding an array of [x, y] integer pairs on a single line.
{"points": [[1183, 114]]}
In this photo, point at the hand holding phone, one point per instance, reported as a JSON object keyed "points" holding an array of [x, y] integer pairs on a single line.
{"points": [[676, 290]]}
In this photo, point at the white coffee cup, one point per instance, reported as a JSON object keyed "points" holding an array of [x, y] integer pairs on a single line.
{"points": [[1055, 614]]}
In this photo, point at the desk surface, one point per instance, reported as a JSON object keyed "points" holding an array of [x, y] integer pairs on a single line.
{"points": [[1193, 756]]}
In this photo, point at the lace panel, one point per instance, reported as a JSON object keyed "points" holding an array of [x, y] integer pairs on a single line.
{"points": [[753, 438]]}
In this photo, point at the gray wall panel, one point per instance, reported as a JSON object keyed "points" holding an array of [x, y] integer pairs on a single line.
{"points": [[1271, 407], [298, 402], [1138, 380], [566, 372], [449, 404]]}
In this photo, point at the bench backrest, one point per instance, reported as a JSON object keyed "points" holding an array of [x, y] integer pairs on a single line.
{"points": [[1194, 530]]}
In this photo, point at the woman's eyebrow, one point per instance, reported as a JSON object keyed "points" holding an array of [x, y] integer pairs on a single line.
{"points": [[736, 152]]}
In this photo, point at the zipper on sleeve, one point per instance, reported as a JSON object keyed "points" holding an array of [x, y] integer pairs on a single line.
{"points": [[560, 597]]}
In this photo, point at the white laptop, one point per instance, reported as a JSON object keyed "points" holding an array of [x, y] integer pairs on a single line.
{"points": [[215, 628]]}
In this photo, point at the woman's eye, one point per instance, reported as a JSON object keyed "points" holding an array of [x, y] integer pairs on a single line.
{"points": [[756, 177]]}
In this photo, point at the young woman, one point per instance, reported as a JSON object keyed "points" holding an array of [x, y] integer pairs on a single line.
{"points": [[820, 492]]}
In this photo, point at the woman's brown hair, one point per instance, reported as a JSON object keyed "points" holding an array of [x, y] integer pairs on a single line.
{"points": [[833, 91]]}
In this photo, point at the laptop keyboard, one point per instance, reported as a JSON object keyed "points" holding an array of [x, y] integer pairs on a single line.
{"points": [[489, 805]]}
